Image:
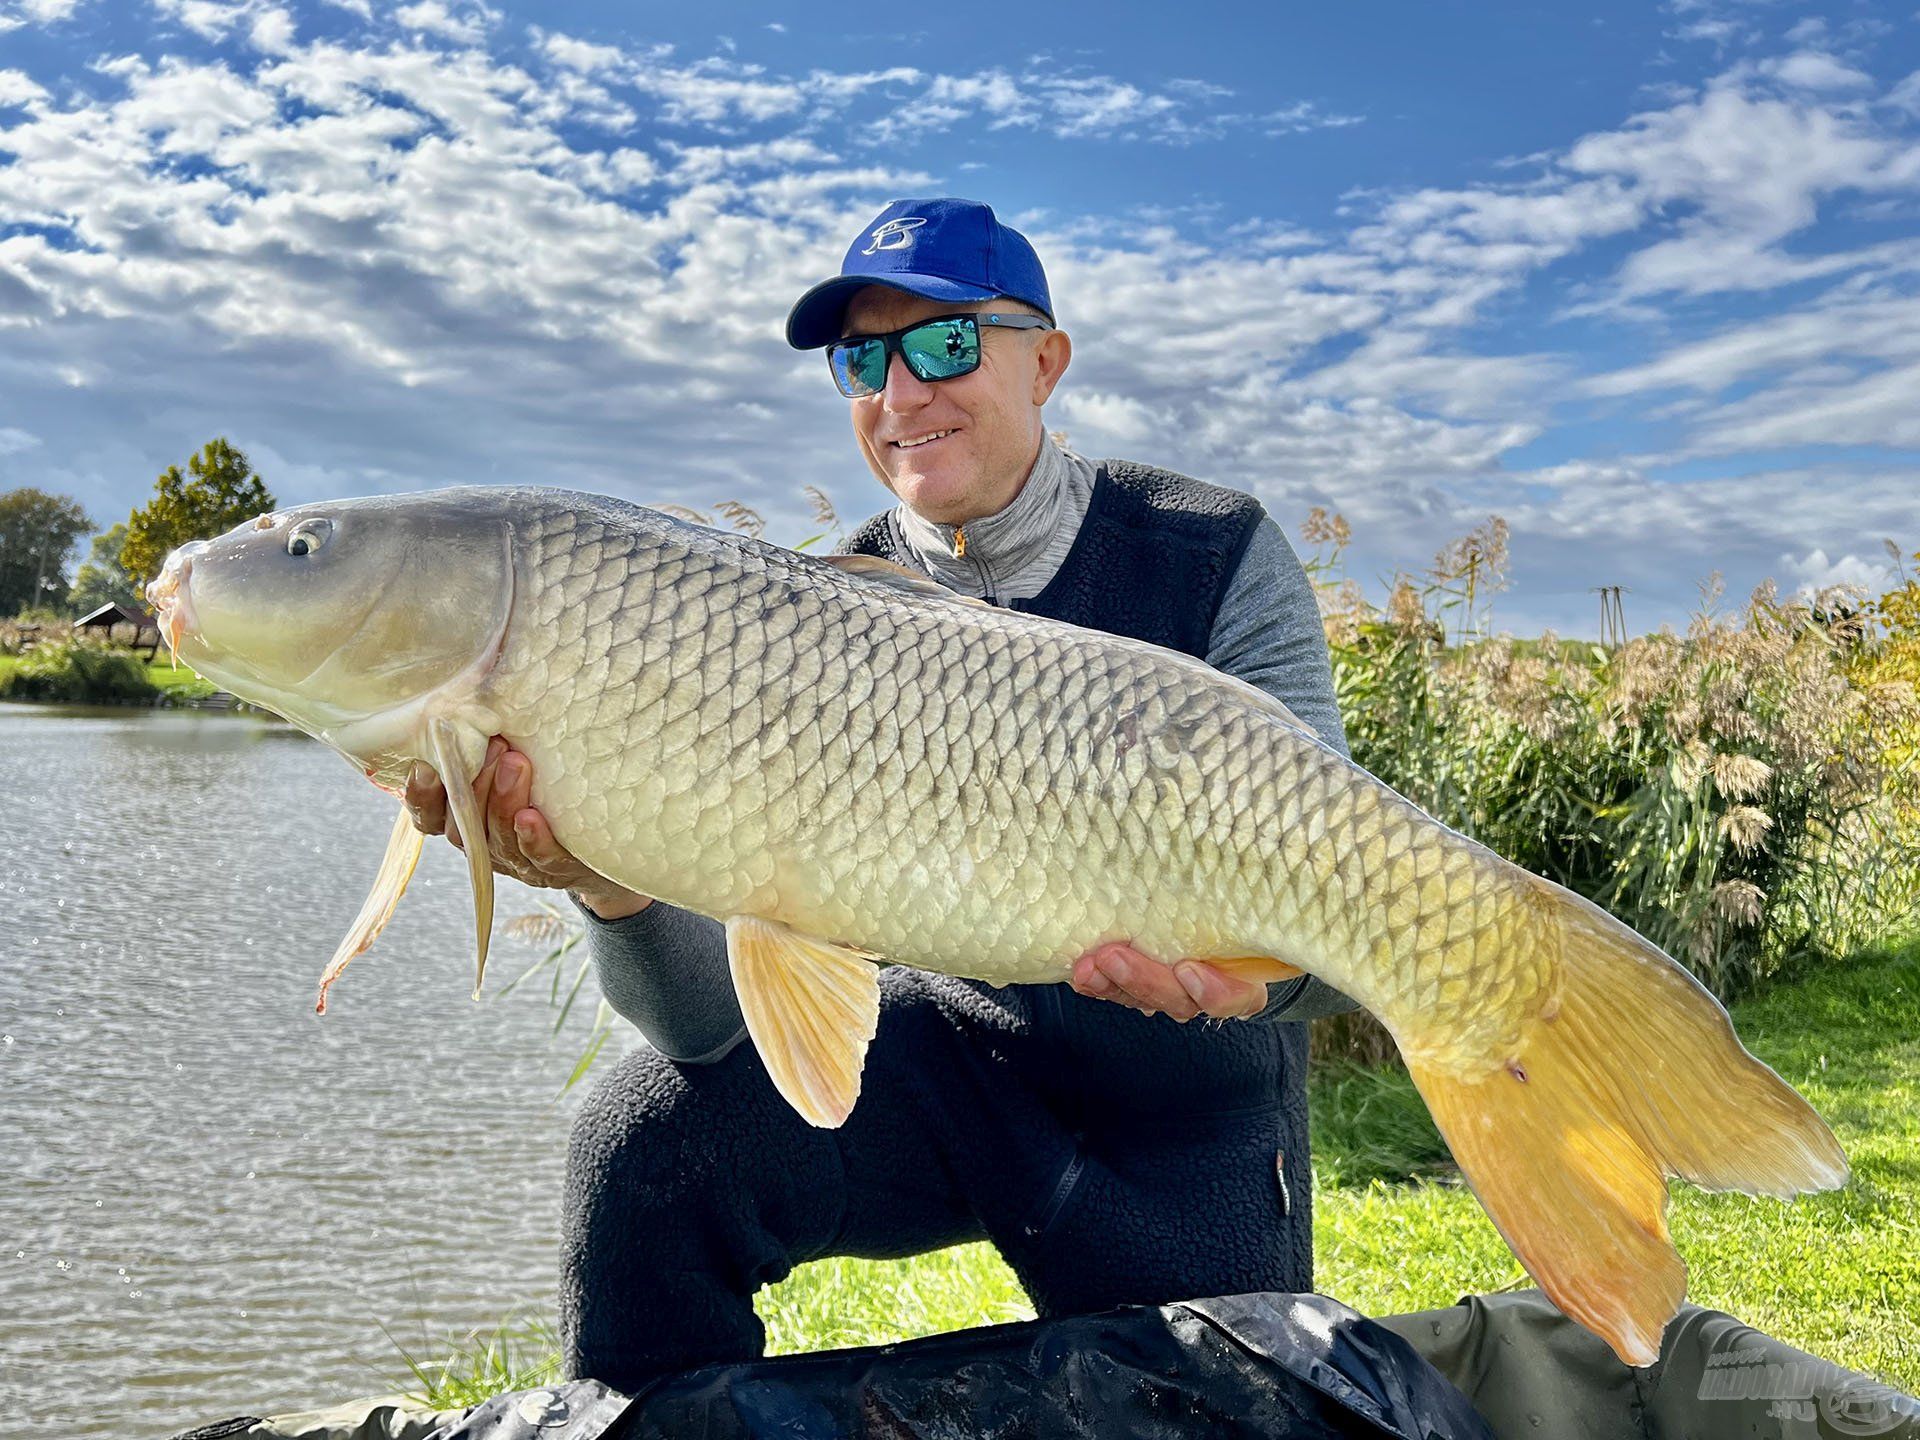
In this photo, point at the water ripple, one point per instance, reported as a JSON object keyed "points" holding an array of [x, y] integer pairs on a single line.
{"points": [[214, 1199]]}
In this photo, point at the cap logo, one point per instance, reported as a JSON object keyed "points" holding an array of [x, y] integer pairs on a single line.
{"points": [[894, 235]]}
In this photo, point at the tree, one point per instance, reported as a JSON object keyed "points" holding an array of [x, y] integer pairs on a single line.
{"points": [[100, 580], [37, 533], [219, 491]]}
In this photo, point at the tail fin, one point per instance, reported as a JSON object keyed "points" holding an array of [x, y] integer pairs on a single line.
{"points": [[1634, 1075]]}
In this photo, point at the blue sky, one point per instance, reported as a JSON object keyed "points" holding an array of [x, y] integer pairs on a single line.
{"points": [[1641, 279]]}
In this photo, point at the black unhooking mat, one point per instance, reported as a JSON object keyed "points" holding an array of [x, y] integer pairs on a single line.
{"points": [[1299, 1366]]}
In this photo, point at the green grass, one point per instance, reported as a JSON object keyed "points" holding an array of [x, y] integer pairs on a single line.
{"points": [[840, 1302], [480, 1365], [175, 683], [1394, 1230]]}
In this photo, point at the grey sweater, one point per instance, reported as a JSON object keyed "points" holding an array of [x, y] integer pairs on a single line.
{"points": [[666, 969]]}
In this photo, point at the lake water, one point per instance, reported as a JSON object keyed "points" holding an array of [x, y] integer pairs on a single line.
{"points": [[211, 1199]]}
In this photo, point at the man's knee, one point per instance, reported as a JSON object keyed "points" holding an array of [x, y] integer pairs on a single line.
{"points": [[635, 1128], [708, 1152]]}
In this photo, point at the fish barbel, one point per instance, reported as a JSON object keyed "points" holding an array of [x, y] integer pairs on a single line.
{"points": [[847, 764]]}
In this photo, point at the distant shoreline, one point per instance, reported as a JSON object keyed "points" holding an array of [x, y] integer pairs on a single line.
{"points": [[174, 687]]}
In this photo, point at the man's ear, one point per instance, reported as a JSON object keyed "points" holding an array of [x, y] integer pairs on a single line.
{"points": [[1050, 359]]}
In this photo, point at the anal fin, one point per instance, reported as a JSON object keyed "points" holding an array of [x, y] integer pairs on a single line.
{"points": [[811, 1007], [396, 868]]}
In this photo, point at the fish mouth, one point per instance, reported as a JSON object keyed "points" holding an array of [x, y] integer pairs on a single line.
{"points": [[172, 602]]}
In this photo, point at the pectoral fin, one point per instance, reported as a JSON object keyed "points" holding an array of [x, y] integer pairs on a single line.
{"points": [[811, 1007], [457, 777], [396, 868]]}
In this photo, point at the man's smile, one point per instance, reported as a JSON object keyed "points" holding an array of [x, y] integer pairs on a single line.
{"points": [[917, 440]]}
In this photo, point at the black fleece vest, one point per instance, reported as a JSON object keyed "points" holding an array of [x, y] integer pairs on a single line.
{"points": [[1153, 560]]}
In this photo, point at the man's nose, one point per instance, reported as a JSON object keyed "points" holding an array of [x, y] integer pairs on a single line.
{"points": [[904, 391]]}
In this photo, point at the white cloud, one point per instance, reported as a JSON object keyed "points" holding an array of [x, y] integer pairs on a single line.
{"points": [[1816, 70], [720, 91], [433, 17], [17, 13], [209, 19], [1906, 95], [713, 91], [1814, 572], [582, 55], [1871, 409], [1874, 327], [18, 88], [272, 32], [13, 441], [1718, 33], [1102, 422]]}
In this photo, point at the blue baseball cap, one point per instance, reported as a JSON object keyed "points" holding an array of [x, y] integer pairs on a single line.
{"points": [[944, 249]]}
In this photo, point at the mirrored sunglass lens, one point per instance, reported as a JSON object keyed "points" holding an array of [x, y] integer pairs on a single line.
{"points": [[942, 349], [861, 368]]}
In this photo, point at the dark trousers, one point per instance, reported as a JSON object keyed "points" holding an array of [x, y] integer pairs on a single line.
{"points": [[691, 1186]]}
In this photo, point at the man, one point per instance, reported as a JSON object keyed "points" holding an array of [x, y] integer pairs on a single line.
{"points": [[1112, 1152]]}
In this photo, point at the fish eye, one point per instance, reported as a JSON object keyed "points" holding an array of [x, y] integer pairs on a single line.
{"points": [[308, 536]]}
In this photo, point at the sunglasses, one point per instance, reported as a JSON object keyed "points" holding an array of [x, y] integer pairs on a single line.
{"points": [[938, 349]]}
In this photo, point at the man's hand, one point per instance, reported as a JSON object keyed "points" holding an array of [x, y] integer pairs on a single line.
{"points": [[518, 836], [1117, 971]]}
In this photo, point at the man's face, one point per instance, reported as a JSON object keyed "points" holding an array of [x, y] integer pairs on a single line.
{"points": [[954, 450]]}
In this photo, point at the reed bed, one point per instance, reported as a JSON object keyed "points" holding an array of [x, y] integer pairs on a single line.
{"points": [[1742, 792]]}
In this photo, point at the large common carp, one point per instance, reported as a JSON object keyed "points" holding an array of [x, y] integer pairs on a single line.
{"points": [[849, 764]]}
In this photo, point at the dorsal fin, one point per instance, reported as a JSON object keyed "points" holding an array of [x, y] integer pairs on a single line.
{"points": [[885, 572]]}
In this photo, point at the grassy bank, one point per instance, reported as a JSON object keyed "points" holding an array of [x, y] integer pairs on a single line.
{"points": [[164, 682], [177, 683], [1838, 1275]]}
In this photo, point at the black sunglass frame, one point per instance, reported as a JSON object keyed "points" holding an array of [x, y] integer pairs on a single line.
{"points": [[891, 342]]}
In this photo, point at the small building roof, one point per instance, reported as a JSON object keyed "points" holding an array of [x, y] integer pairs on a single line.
{"points": [[112, 613]]}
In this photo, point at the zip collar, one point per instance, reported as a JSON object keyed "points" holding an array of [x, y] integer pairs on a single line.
{"points": [[1012, 553]]}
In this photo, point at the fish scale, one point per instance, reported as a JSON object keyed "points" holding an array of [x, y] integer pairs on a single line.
{"points": [[845, 764]]}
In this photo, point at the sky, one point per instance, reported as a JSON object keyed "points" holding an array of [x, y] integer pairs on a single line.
{"points": [[1644, 280]]}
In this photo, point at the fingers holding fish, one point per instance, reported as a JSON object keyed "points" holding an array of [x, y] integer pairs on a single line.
{"points": [[1116, 971], [522, 841], [426, 799], [1218, 994], [523, 844]]}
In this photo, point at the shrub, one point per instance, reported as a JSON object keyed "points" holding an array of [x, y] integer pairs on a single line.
{"points": [[78, 672], [1730, 792], [1888, 661]]}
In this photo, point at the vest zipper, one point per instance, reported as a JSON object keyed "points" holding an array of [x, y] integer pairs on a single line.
{"points": [[1062, 1188], [986, 576]]}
